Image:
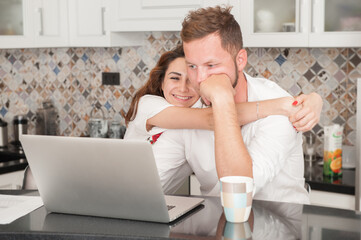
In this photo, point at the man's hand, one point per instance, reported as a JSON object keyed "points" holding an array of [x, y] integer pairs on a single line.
{"points": [[306, 118], [232, 157], [216, 87]]}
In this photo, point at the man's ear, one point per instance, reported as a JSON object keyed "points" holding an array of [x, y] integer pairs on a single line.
{"points": [[241, 59]]}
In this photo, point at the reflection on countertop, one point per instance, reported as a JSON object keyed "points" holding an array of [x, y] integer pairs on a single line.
{"points": [[268, 220]]}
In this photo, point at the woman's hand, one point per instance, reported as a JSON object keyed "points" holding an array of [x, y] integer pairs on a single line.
{"points": [[306, 118]]}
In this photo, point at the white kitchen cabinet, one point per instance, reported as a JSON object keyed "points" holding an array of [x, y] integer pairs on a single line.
{"points": [[331, 199], [33, 23], [60, 23], [13, 180], [335, 23], [158, 15], [49, 20], [14, 24], [90, 25], [301, 23]]}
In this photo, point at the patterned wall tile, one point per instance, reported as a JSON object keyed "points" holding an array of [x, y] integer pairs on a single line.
{"points": [[71, 78], [331, 72]]}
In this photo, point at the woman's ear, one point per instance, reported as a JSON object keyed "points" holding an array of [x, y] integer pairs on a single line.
{"points": [[241, 59]]}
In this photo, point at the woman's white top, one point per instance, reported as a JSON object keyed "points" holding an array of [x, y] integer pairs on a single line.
{"points": [[148, 107]]}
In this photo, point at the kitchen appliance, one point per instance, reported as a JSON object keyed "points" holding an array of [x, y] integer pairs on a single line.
{"points": [[98, 125], [116, 130], [3, 134], [20, 123], [47, 119]]}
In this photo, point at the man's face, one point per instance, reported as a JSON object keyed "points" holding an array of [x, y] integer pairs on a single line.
{"points": [[205, 57]]}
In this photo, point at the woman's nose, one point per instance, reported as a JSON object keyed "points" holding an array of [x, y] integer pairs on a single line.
{"points": [[183, 85]]}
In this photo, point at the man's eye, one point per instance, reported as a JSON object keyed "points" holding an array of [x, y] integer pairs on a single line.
{"points": [[211, 65], [192, 66]]}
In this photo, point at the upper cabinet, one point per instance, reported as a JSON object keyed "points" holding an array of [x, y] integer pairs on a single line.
{"points": [[33, 23], [14, 24], [106, 23], [49, 22], [157, 15], [60, 23], [90, 25], [335, 23], [301, 23]]}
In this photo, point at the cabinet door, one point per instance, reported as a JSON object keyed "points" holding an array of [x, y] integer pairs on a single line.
{"points": [[277, 23], [335, 23], [14, 24], [90, 25], [49, 23], [155, 15], [88, 22]]}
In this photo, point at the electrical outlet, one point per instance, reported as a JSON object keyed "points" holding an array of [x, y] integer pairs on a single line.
{"points": [[110, 78]]}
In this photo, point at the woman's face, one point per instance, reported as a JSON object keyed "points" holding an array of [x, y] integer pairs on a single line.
{"points": [[176, 86]]}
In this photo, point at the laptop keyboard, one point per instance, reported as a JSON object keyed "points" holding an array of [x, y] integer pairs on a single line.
{"points": [[170, 207]]}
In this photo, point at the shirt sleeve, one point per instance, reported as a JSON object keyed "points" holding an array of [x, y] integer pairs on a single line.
{"points": [[170, 159], [148, 107], [273, 141]]}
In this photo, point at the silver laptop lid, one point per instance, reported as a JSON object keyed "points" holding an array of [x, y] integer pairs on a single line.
{"points": [[96, 176]]}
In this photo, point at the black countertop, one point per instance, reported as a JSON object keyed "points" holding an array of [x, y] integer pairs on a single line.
{"points": [[344, 184], [269, 220]]}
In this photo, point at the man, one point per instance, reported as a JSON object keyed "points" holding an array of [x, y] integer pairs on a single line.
{"points": [[269, 150]]}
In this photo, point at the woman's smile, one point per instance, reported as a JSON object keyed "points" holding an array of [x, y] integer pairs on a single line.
{"points": [[177, 89]]}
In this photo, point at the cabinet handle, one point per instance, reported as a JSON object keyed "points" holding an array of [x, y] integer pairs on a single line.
{"points": [[41, 31], [103, 20], [299, 3], [317, 20]]}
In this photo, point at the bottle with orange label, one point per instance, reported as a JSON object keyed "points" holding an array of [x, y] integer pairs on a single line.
{"points": [[332, 155]]}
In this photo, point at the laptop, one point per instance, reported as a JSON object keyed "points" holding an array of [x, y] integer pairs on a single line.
{"points": [[101, 177]]}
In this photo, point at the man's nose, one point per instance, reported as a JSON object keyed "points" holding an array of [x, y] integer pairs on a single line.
{"points": [[201, 75]]}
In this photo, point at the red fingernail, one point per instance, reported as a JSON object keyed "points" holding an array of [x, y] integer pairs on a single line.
{"points": [[294, 103]]}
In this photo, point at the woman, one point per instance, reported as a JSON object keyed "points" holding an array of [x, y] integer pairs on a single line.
{"points": [[165, 101]]}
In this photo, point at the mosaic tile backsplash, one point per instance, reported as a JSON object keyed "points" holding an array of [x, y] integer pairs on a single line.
{"points": [[71, 78]]}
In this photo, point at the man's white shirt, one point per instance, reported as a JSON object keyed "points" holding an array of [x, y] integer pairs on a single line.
{"points": [[273, 144]]}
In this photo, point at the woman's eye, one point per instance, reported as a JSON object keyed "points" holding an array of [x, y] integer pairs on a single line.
{"points": [[175, 78]]}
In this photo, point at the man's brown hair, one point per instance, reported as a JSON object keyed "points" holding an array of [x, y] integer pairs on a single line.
{"points": [[204, 21]]}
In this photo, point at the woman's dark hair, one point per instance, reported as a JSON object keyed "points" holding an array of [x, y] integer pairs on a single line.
{"points": [[154, 84]]}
